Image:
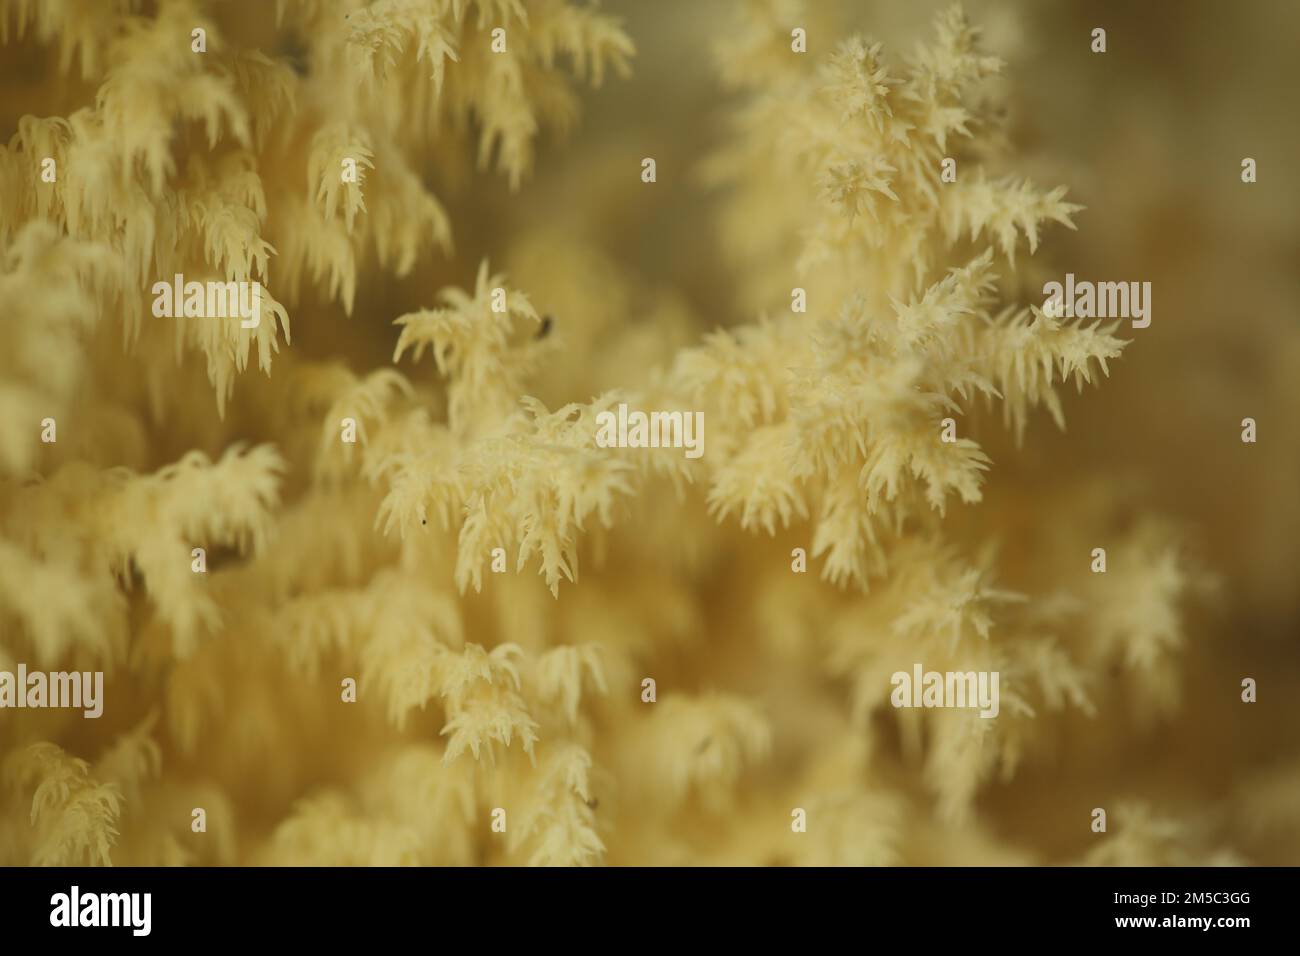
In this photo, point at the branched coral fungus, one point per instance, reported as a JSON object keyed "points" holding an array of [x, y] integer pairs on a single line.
{"points": [[387, 599]]}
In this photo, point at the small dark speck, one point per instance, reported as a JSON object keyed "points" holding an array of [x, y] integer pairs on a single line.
{"points": [[545, 330], [704, 745], [593, 803]]}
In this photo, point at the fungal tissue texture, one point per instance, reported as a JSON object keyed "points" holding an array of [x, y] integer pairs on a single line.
{"points": [[547, 432]]}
